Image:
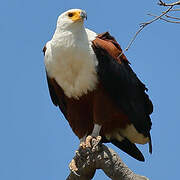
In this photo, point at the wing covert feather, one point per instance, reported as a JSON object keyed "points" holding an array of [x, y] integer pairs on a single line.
{"points": [[117, 77]]}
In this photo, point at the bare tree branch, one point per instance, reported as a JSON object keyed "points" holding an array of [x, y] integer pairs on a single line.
{"points": [[164, 13], [174, 10], [172, 17], [161, 3], [142, 26], [156, 18], [165, 19], [101, 157]]}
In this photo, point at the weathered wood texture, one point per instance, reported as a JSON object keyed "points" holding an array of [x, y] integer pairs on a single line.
{"points": [[101, 157]]}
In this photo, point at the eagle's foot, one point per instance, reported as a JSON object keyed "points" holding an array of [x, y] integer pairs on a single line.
{"points": [[87, 143], [95, 143], [91, 145], [73, 168], [91, 142]]}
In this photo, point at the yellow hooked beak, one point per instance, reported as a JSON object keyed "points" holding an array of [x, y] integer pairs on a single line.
{"points": [[77, 15]]}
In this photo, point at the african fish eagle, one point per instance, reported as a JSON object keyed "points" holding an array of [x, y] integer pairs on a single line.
{"points": [[94, 87]]}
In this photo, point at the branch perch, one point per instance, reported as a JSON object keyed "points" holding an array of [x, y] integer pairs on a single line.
{"points": [[101, 157]]}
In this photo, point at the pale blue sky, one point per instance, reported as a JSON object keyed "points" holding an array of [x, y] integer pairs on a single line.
{"points": [[36, 142]]}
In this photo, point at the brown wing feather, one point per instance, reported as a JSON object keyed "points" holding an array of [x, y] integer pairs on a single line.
{"points": [[107, 42], [57, 95], [117, 77]]}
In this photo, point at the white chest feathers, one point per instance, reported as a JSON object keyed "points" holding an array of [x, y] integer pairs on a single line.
{"points": [[72, 65]]}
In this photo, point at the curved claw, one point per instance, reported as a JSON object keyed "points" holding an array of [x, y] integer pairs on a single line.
{"points": [[74, 172], [91, 142], [73, 168], [96, 143]]}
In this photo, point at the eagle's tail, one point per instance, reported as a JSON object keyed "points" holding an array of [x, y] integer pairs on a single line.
{"points": [[129, 148]]}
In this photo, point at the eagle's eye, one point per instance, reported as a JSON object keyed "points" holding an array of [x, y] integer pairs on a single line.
{"points": [[70, 14]]}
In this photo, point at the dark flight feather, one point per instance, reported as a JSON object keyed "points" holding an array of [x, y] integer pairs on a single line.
{"points": [[119, 80], [129, 148], [57, 94]]}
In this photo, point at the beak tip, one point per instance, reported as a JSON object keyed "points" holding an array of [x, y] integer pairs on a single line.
{"points": [[83, 14]]}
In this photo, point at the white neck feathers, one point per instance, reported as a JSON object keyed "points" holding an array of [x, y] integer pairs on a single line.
{"points": [[72, 62]]}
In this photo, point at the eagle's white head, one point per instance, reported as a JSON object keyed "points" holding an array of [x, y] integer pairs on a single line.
{"points": [[71, 19], [70, 59]]}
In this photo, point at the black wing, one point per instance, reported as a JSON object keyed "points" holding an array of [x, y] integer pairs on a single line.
{"points": [[57, 95], [119, 80]]}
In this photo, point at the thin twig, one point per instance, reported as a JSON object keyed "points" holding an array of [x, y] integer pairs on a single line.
{"points": [[130, 43], [161, 3], [142, 26], [172, 17], [164, 13], [164, 19], [156, 18], [174, 10]]}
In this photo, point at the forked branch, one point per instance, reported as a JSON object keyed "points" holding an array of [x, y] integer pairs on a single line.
{"points": [[161, 3], [157, 17], [100, 157]]}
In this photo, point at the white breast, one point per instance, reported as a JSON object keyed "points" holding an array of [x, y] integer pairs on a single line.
{"points": [[71, 61]]}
